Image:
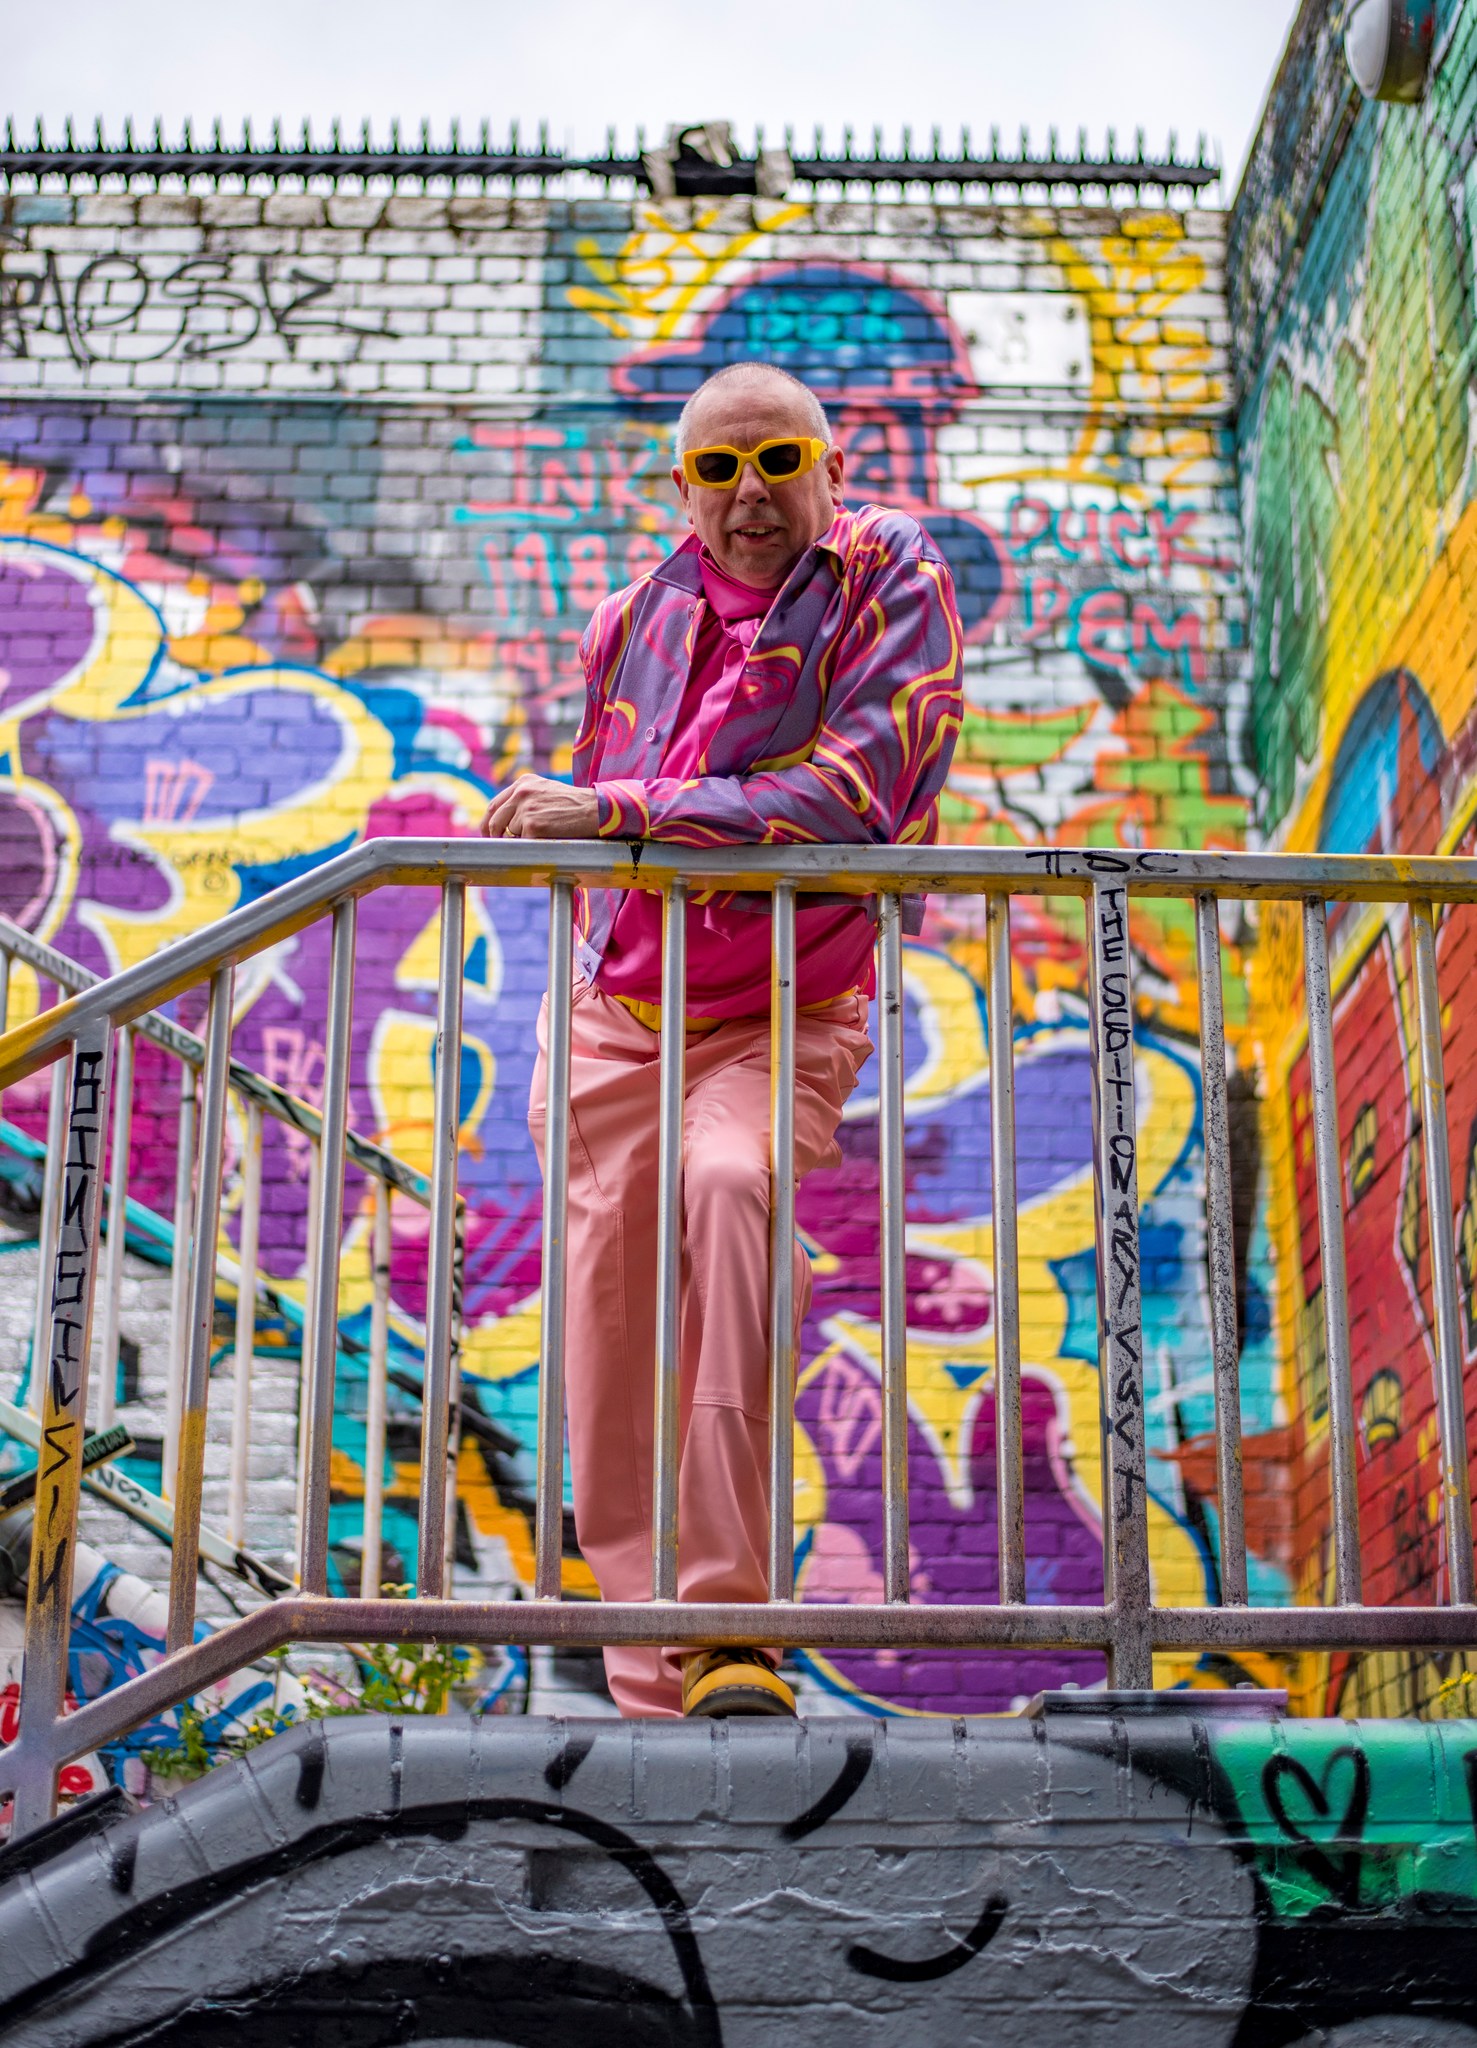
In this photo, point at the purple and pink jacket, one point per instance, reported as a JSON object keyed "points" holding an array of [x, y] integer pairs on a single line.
{"points": [[841, 725]]}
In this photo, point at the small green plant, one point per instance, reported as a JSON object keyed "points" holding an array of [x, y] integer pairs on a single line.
{"points": [[391, 1678]]}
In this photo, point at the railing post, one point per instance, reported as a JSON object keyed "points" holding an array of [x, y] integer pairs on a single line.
{"points": [[782, 1248], [672, 1088], [370, 1569], [1119, 1283], [1347, 1570], [436, 1378], [251, 1217], [50, 1224], [1456, 1492], [184, 1563], [306, 1348], [1010, 1468], [64, 1422], [107, 1369], [548, 1569], [179, 1276], [1221, 1254], [338, 1043], [893, 1179]]}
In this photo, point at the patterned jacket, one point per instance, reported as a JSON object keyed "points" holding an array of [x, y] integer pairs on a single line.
{"points": [[843, 722]]}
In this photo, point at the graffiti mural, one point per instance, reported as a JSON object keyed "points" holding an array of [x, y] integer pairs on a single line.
{"points": [[1360, 511], [238, 637]]}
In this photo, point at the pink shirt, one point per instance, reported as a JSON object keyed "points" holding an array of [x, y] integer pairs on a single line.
{"points": [[728, 949]]}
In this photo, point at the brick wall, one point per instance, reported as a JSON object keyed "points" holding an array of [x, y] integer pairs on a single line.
{"points": [[304, 502], [1351, 292]]}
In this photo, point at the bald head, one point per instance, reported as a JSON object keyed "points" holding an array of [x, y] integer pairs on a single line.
{"points": [[757, 527], [810, 414]]}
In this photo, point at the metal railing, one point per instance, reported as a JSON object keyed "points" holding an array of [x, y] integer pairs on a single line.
{"points": [[1127, 1625], [259, 1100]]}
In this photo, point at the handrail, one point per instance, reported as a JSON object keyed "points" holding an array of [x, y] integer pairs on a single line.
{"points": [[1127, 1624], [653, 864]]}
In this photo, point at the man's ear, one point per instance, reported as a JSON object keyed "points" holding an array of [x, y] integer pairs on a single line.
{"points": [[684, 492], [835, 460]]}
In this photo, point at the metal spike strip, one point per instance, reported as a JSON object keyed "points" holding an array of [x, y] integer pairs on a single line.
{"points": [[424, 162]]}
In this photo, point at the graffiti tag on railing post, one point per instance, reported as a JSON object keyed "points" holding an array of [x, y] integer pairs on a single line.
{"points": [[1120, 1302]]}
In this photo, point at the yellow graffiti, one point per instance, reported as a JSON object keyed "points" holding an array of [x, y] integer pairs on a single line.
{"points": [[646, 289]]}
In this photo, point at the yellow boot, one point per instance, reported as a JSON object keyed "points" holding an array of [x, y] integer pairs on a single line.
{"points": [[717, 1683]]}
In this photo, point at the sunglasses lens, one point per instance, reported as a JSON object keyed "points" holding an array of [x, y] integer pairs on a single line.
{"points": [[715, 466], [783, 459]]}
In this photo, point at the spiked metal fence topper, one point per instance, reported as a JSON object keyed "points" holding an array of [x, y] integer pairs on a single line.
{"points": [[693, 161]]}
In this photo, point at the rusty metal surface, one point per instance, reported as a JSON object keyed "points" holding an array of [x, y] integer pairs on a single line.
{"points": [[1009, 1463], [782, 1347], [440, 1274], [894, 1276], [189, 1479], [63, 1421], [1119, 1287], [1328, 1176], [1456, 1494], [672, 1092], [1225, 1343]]}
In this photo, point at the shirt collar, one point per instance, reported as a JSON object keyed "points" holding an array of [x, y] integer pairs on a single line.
{"points": [[683, 568]]}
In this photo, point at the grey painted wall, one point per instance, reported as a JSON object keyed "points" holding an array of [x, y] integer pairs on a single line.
{"points": [[1170, 1880]]}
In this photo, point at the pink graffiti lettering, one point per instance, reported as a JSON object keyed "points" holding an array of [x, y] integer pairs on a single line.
{"points": [[175, 790], [850, 1416]]}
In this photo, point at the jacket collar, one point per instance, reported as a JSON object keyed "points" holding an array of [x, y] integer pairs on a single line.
{"points": [[683, 571]]}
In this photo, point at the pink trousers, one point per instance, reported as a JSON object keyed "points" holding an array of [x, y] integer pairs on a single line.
{"points": [[723, 1480]]}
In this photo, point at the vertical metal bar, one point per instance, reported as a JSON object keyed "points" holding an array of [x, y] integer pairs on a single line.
{"points": [[1456, 1491], [70, 1298], [338, 1040], [549, 1511], [1119, 1281], [454, 1417], [179, 1276], [782, 1248], [251, 1218], [895, 1574], [107, 1370], [52, 1171], [1225, 1347], [435, 1412], [371, 1569], [184, 1562], [1009, 1457], [4, 1004], [305, 1348], [1347, 1573], [672, 1086]]}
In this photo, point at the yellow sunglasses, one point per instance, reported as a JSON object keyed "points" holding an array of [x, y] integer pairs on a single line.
{"points": [[777, 461]]}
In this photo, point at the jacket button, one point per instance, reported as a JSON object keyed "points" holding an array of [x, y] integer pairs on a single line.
{"points": [[651, 732]]}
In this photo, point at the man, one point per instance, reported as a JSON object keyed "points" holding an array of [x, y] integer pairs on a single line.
{"points": [[789, 676]]}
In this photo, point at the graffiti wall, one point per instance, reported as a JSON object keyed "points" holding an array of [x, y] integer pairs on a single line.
{"points": [[304, 504], [1225, 1882], [1357, 482]]}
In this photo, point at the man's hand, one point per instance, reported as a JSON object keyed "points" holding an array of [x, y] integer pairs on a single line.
{"points": [[535, 808]]}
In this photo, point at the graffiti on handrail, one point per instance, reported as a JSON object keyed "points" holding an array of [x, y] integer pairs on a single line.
{"points": [[1122, 1306]]}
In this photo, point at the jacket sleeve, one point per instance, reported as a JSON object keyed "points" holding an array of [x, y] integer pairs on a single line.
{"points": [[880, 756]]}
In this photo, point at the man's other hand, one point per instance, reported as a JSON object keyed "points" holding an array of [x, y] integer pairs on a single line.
{"points": [[533, 807]]}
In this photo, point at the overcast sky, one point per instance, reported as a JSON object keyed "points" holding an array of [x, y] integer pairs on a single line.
{"points": [[1186, 65]]}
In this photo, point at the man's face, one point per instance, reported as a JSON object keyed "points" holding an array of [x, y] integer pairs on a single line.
{"points": [[758, 530]]}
